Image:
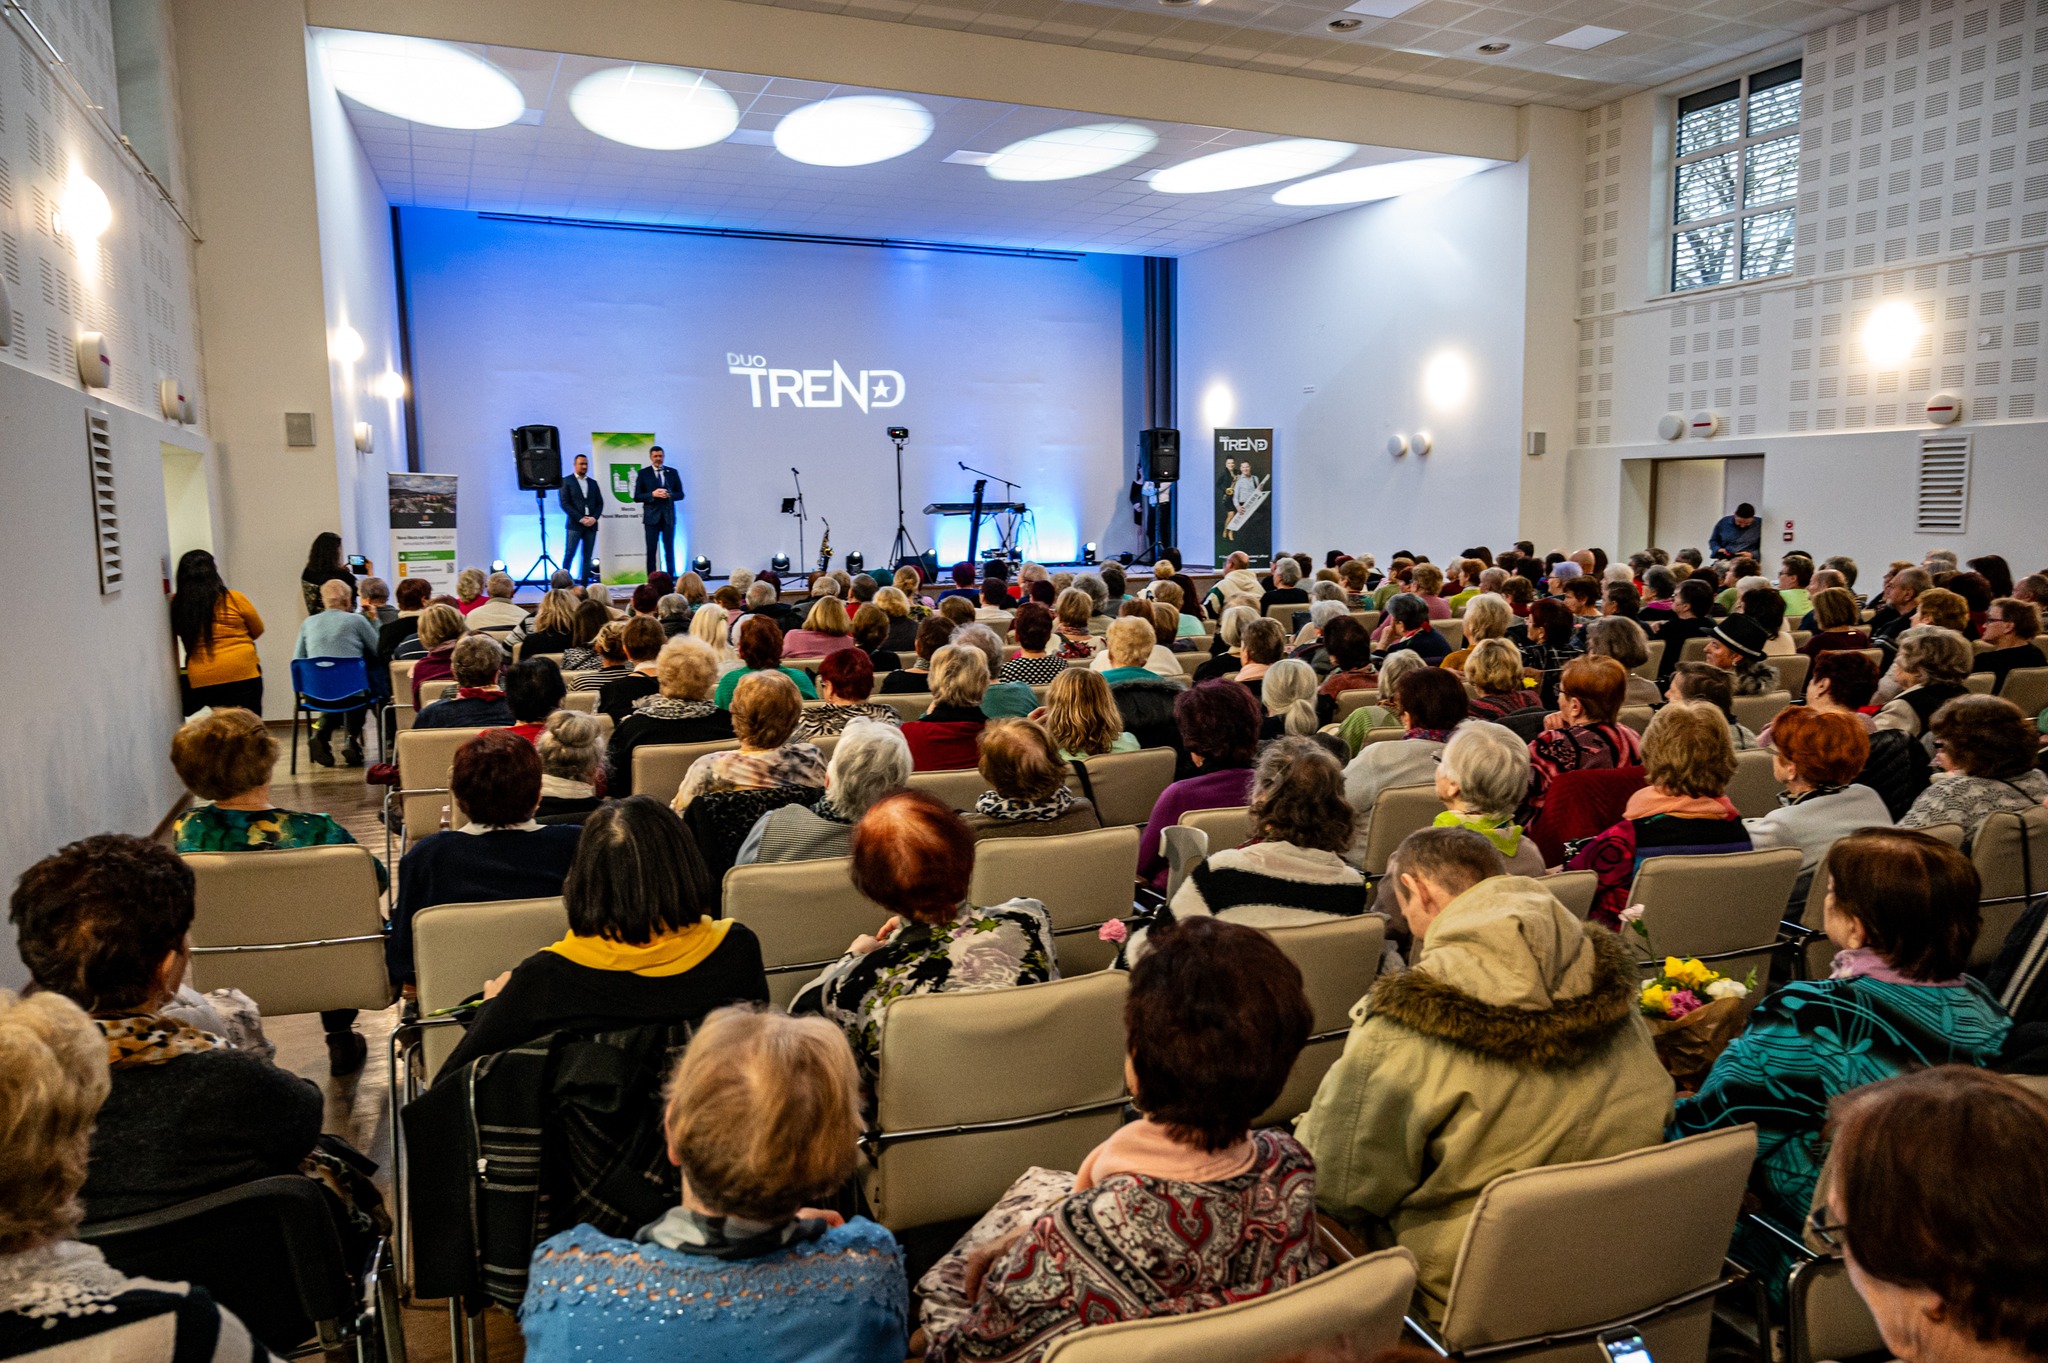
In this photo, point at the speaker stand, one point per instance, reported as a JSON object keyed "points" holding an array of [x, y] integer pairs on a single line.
{"points": [[534, 577], [903, 548]]}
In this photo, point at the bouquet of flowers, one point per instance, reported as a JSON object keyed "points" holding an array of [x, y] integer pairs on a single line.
{"points": [[1694, 1011]]}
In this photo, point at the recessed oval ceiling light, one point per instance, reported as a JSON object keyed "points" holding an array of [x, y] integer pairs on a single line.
{"points": [[1492, 49], [421, 80], [662, 108], [853, 130], [1243, 167], [1383, 181], [1068, 153], [1345, 25]]}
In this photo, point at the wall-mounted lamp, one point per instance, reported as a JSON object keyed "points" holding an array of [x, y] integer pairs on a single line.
{"points": [[83, 213], [95, 362], [364, 437], [1397, 445]]}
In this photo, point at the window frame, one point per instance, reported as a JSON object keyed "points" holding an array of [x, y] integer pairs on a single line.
{"points": [[1739, 147]]}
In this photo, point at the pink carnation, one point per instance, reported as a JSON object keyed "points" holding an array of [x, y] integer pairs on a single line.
{"points": [[1115, 931], [1682, 1002]]}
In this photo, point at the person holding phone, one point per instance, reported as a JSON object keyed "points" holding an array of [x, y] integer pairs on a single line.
{"points": [[324, 564], [658, 488]]}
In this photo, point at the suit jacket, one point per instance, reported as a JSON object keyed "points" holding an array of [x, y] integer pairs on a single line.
{"points": [[574, 504], [653, 512]]}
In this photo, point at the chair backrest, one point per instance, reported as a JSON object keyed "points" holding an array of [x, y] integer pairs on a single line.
{"points": [[2007, 847], [441, 690], [1694, 650], [1537, 1257], [1351, 701], [456, 948], [1359, 1303], [1369, 619], [2027, 687], [1285, 614], [322, 681], [425, 759], [1757, 711], [908, 705], [949, 1142], [1825, 1317], [1754, 788], [1127, 784], [958, 789], [1792, 670], [1580, 804], [583, 702], [1338, 962], [1184, 849], [296, 929], [401, 692], [1229, 827], [1576, 890], [1191, 663], [1387, 735], [1453, 631], [659, 768], [1636, 717], [804, 912], [1979, 683], [1395, 814], [1648, 666], [1723, 908], [1083, 879]]}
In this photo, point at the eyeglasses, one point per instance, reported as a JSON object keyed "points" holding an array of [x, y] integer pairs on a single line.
{"points": [[1831, 1233]]}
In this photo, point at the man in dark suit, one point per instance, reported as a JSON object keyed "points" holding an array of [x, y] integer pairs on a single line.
{"points": [[658, 489], [582, 502]]}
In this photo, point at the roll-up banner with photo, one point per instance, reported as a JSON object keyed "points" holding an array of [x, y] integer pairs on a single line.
{"points": [[1244, 495], [616, 458], [423, 528]]}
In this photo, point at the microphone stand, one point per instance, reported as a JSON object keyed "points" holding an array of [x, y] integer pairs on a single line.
{"points": [[903, 546], [1008, 542], [801, 560]]}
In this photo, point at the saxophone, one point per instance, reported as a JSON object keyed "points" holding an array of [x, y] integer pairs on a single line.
{"points": [[825, 549]]}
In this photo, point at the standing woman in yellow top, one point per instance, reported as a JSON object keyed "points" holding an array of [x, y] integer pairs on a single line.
{"points": [[219, 629]]}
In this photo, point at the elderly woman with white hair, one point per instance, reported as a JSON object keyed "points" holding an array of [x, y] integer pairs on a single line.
{"points": [[498, 611], [681, 712], [947, 737], [1482, 776], [1158, 659], [1289, 695], [1383, 715], [1486, 617], [1229, 651], [478, 702], [571, 749], [1929, 671], [871, 760], [1308, 643], [1622, 639], [1286, 589], [1002, 699], [673, 612]]}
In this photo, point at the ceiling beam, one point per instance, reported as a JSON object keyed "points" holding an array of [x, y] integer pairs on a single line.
{"points": [[765, 40]]}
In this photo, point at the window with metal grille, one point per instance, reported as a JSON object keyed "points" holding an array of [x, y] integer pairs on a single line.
{"points": [[1737, 172], [99, 449], [1943, 502]]}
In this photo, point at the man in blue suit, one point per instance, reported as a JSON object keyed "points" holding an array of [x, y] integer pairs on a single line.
{"points": [[582, 502], [658, 489]]}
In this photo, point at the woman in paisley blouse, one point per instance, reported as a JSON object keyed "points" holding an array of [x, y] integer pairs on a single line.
{"points": [[766, 708], [915, 857], [1184, 1210]]}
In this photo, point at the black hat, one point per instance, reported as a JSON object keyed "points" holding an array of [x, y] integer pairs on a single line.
{"points": [[1742, 634]]}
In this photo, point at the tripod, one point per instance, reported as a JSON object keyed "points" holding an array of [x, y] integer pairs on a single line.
{"points": [[534, 577], [794, 506], [902, 548]]}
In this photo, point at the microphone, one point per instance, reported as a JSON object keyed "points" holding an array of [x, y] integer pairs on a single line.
{"points": [[792, 470]]}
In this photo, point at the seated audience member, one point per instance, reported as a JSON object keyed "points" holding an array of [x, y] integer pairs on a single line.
{"points": [[682, 712], [1002, 699], [589, 620], [1692, 617], [1622, 639], [1263, 642], [1927, 673], [1157, 658], [1943, 609], [961, 613], [903, 617], [760, 649], [644, 641], [337, 631], [1985, 755], [228, 757], [497, 610], [1934, 1199], [1816, 755], [571, 748], [1347, 647], [1238, 580], [672, 612], [1226, 651], [1407, 627], [501, 853], [2010, 627], [1172, 594], [534, 689], [1428, 583], [1384, 714], [1072, 611], [613, 663], [1736, 646], [915, 857], [1842, 682], [550, 629], [826, 630], [1486, 617], [62, 1300], [477, 702], [934, 634], [1683, 811], [1166, 622], [947, 737], [1762, 603], [1219, 732], [1494, 669], [870, 761], [1795, 575], [910, 582], [1549, 641], [1584, 734], [995, 602], [1286, 589], [871, 625], [1481, 776], [1184, 1210], [845, 681], [1288, 694], [766, 708], [644, 944], [1705, 684], [1034, 663], [1836, 624], [103, 923], [1028, 795], [709, 625], [1510, 1008], [413, 594], [1082, 717], [762, 1117], [1660, 590], [1431, 702], [1902, 907]]}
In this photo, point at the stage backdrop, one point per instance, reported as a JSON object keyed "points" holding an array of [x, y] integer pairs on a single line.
{"points": [[752, 357], [1244, 495]]}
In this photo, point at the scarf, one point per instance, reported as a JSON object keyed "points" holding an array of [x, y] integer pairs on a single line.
{"points": [[726, 1237], [562, 788], [1431, 735], [1650, 800], [151, 1039], [672, 953], [1787, 799], [673, 707], [829, 812], [1865, 961], [1505, 836], [65, 1279], [996, 806], [479, 693]]}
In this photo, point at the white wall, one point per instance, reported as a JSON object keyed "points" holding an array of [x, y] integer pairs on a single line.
{"points": [[1322, 331]]}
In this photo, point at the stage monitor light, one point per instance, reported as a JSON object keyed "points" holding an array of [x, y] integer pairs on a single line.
{"points": [[1891, 333], [421, 80], [1088, 554], [498, 565], [661, 108], [701, 564], [856, 561], [780, 563], [853, 130], [1069, 153], [83, 214], [899, 433], [1243, 167], [1367, 183]]}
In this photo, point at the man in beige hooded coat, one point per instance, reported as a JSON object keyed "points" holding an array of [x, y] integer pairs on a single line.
{"points": [[1512, 1042]]}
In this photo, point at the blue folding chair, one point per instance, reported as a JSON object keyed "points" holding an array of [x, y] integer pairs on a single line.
{"points": [[328, 686]]}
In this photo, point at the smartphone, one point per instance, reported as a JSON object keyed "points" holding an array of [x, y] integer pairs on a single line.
{"points": [[1625, 1346], [356, 563]]}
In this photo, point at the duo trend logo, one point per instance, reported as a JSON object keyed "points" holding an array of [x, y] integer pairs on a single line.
{"points": [[867, 389]]}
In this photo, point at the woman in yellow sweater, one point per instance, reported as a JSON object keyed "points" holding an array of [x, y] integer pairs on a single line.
{"points": [[219, 629]]}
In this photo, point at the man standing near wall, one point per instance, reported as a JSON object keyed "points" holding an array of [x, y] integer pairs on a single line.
{"points": [[658, 489], [1736, 535], [582, 504]]}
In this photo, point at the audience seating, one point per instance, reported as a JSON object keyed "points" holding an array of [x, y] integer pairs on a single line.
{"points": [[583, 702], [1756, 711], [1979, 683], [458, 948], [1285, 614], [2027, 687], [1580, 804], [1693, 650], [804, 912], [1338, 961], [1083, 879], [1359, 1302], [400, 703], [1453, 631], [1398, 812], [1647, 668], [1824, 1316], [1191, 663], [1722, 908], [1227, 827], [1383, 735], [1792, 672], [1349, 702], [1636, 717], [658, 768], [946, 1141], [426, 757], [1876, 656], [1369, 619], [1754, 789], [328, 686], [1537, 1274], [296, 929], [1576, 890], [908, 705], [959, 789], [2005, 849], [1125, 785], [1817, 953]]}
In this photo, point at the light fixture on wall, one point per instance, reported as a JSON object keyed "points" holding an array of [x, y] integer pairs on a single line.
{"points": [[95, 361], [1364, 184], [1069, 153], [1447, 379], [1421, 442], [365, 438], [420, 80], [1891, 333], [83, 213], [389, 385], [345, 345], [1670, 426], [661, 108], [1243, 167], [853, 130], [1397, 445], [1219, 405]]}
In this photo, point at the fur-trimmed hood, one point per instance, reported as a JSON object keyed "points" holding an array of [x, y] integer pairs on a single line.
{"points": [[1507, 973]]}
